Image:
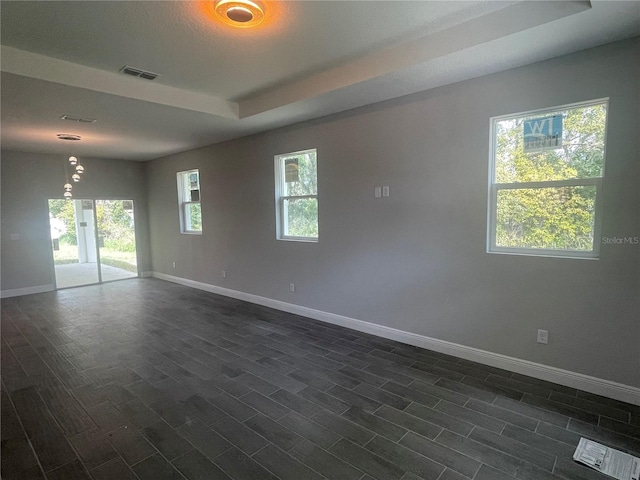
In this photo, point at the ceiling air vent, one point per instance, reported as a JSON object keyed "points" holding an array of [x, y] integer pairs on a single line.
{"points": [[74, 118], [136, 72]]}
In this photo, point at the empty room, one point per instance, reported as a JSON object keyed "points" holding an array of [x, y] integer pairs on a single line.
{"points": [[320, 240]]}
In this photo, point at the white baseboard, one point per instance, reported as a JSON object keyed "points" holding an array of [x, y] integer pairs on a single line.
{"points": [[146, 274], [598, 386], [16, 292]]}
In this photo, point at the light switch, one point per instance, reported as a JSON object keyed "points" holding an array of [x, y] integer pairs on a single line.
{"points": [[385, 191], [377, 192]]}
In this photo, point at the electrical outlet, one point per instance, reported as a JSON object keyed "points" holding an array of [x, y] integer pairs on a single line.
{"points": [[174, 264], [385, 191], [543, 336], [377, 192], [224, 274], [292, 287]]}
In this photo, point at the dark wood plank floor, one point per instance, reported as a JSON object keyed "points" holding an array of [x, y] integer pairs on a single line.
{"points": [[143, 379]]}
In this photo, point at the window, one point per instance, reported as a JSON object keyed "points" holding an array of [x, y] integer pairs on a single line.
{"points": [[297, 196], [546, 181], [189, 200]]}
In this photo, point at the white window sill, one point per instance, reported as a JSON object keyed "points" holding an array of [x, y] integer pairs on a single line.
{"points": [[298, 239], [587, 256]]}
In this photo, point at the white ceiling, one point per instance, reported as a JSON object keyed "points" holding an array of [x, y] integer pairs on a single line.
{"points": [[308, 59]]}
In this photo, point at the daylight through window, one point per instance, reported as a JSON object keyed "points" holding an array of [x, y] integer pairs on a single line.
{"points": [[189, 200], [297, 196], [546, 181]]}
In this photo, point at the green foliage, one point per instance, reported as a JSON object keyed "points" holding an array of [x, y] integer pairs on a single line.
{"points": [[550, 217], [119, 264], [303, 217], [307, 183], [115, 225], [63, 210], [194, 211], [559, 218], [120, 245]]}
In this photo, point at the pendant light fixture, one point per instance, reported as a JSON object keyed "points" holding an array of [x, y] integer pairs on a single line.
{"points": [[78, 169], [75, 177]]}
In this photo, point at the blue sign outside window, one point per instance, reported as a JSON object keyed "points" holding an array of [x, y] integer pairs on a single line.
{"points": [[543, 133]]}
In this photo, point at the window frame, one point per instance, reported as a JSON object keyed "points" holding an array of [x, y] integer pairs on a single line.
{"points": [[281, 204], [182, 179], [494, 188]]}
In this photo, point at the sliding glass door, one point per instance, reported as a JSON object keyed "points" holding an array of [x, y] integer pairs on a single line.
{"points": [[116, 239], [92, 241]]}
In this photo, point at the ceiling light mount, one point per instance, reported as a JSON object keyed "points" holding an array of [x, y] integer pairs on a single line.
{"points": [[239, 13]]}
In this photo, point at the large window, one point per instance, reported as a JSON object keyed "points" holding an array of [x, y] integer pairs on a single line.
{"points": [[297, 196], [546, 181], [189, 201]]}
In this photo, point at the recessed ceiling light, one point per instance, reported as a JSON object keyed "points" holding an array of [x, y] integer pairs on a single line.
{"points": [[239, 13], [69, 136]]}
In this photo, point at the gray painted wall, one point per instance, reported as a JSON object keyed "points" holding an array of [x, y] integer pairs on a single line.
{"points": [[28, 180], [416, 261]]}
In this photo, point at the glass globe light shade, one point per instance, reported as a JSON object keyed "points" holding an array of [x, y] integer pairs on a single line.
{"points": [[75, 177], [79, 169], [73, 160], [68, 187], [67, 195]]}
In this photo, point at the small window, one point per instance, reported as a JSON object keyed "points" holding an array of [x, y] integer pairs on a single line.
{"points": [[297, 196], [546, 181], [189, 201]]}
